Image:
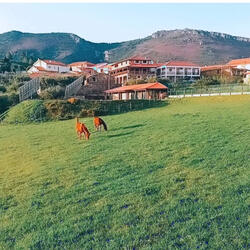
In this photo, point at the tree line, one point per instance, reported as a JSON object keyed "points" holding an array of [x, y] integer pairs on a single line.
{"points": [[13, 63]]}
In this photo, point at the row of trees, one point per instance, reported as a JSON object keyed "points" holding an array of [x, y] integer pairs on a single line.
{"points": [[14, 63]]}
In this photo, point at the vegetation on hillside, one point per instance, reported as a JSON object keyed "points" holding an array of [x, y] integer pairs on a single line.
{"points": [[197, 46], [164, 178]]}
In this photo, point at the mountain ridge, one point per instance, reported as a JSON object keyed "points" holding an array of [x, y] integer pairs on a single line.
{"points": [[199, 46]]}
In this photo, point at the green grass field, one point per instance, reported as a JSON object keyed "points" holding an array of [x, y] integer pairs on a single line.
{"points": [[162, 178]]}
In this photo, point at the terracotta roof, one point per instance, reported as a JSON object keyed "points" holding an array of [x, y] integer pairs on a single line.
{"points": [[42, 69], [239, 61], [181, 63], [137, 87], [79, 64], [214, 67], [138, 58], [52, 62], [143, 65]]}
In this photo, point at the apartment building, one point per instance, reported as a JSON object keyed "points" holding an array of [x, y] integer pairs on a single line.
{"points": [[178, 70], [134, 68]]}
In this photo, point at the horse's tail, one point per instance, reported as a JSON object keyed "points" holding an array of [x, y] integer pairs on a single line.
{"points": [[104, 125]]}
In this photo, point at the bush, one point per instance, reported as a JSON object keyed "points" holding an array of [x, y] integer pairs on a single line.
{"points": [[2, 89], [47, 82], [8, 100], [27, 111], [216, 80], [203, 82], [52, 93], [60, 109], [4, 103]]}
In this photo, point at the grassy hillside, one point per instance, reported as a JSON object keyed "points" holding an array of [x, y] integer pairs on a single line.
{"points": [[169, 177]]}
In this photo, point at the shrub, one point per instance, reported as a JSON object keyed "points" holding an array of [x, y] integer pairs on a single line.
{"points": [[13, 98], [27, 111], [8, 100], [217, 80], [56, 92], [62, 109], [4, 103], [2, 89], [47, 82], [203, 82]]}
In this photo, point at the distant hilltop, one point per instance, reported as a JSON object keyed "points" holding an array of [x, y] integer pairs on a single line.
{"points": [[199, 46]]}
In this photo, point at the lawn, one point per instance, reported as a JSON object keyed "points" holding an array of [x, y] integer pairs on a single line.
{"points": [[162, 178]]}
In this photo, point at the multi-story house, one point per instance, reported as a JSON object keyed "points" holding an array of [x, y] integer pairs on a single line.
{"points": [[48, 66], [133, 68], [178, 70], [102, 68], [82, 67]]}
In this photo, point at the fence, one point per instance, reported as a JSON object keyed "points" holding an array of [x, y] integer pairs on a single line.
{"points": [[61, 109], [210, 91], [74, 87], [3, 115], [29, 89]]}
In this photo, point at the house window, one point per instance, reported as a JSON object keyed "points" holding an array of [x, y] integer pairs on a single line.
{"points": [[136, 61], [144, 61], [94, 79]]}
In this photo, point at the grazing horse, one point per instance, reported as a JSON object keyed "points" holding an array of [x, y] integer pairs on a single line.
{"points": [[98, 122], [81, 128]]}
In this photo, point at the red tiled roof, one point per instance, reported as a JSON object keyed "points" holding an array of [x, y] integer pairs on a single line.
{"points": [[214, 67], [236, 62], [80, 64], [42, 69], [142, 65], [137, 87], [52, 62], [139, 58], [181, 63]]}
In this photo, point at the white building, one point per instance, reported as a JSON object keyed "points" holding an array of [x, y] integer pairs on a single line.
{"points": [[178, 70], [243, 63], [48, 66], [81, 66]]}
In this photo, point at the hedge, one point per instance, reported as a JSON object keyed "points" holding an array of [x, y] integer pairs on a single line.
{"points": [[60, 109], [39, 110]]}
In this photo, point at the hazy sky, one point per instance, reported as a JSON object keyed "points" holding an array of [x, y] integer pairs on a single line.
{"points": [[123, 21]]}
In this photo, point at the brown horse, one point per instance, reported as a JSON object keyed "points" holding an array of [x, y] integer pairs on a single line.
{"points": [[98, 122], [81, 128]]}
